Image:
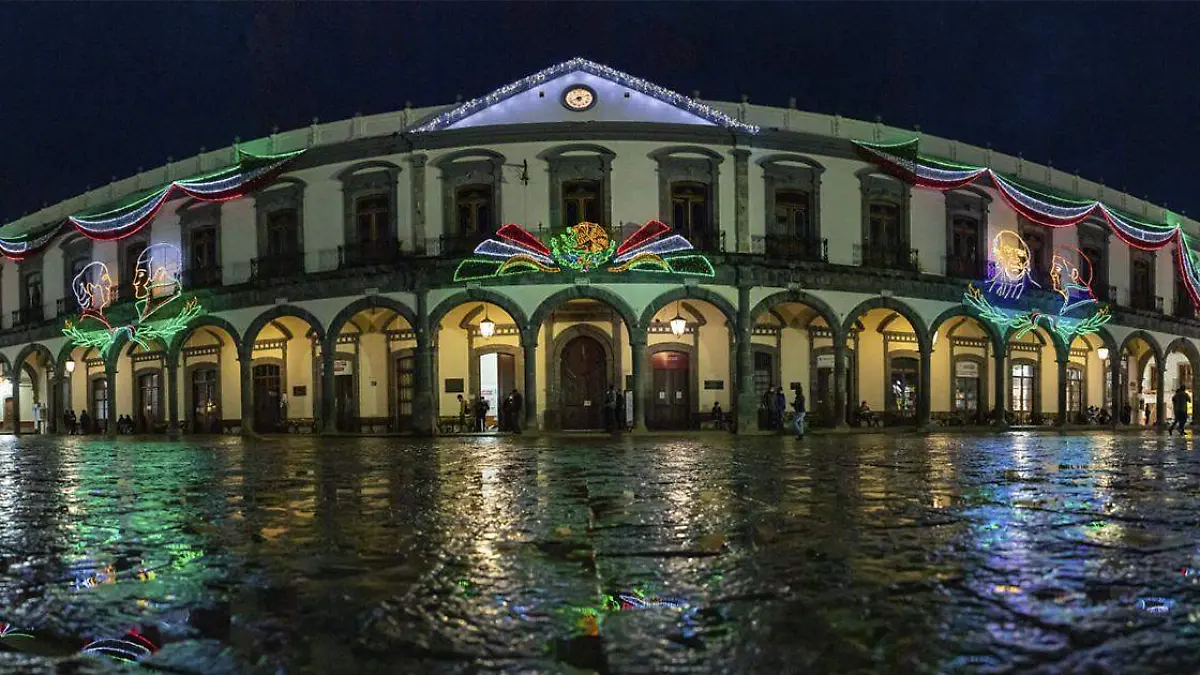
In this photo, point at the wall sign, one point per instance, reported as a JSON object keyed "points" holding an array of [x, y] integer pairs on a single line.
{"points": [[300, 390], [343, 367], [714, 384], [454, 385], [824, 360], [964, 368]]}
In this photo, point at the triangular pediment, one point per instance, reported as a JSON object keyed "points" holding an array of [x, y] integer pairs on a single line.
{"points": [[616, 97]]}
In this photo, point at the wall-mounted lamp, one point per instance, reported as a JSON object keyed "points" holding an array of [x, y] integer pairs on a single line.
{"points": [[678, 324], [487, 327]]}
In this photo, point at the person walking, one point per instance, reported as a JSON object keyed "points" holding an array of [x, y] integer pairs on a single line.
{"points": [[801, 411], [1180, 401], [85, 422], [517, 411], [481, 408], [780, 408]]}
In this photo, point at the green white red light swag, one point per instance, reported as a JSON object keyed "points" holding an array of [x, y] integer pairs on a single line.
{"points": [[903, 160]]}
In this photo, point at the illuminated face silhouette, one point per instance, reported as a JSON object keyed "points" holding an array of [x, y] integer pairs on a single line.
{"points": [[1012, 265], [1071, 277]]}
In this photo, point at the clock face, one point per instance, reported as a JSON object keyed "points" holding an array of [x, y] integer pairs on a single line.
{"points": [[579, 98]]}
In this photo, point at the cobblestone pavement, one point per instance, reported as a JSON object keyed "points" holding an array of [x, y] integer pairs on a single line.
{"points": [[1024, 552]]}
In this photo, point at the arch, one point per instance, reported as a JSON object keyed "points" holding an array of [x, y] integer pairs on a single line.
{"points": [[691, 293], [560, 150], [370, 302], [475, 295], [998, 339], [585, 293], [900, 308], [6, 363], [554, 407], [261, 321], [202, 321], [774, 300], [974, 192], [1149, 340], [282, 182], [779, 157], [1183, 346], [469, 153], [34, 348], [663, 153], [364, 166]]}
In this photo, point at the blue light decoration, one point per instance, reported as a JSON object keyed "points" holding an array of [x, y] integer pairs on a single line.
{"points": [[583, 248], [130, 214], [904, 161], [131, 647], [1077, 312], [577, 64], [157, 288]]}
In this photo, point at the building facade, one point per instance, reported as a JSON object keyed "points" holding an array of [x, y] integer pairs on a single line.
{"points": [[580, 229]]}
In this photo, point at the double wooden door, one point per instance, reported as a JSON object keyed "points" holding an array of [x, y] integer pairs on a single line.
{"points": [[672, 405], [584, 381]]}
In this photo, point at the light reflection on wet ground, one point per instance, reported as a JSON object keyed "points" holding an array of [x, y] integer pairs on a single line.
{"points": [[1027, 552]]}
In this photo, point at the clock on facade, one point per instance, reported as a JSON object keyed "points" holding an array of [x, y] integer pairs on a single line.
{"points": [[578, 98]]}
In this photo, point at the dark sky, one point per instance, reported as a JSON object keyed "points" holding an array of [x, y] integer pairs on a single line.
{"points": [[92, 91]]}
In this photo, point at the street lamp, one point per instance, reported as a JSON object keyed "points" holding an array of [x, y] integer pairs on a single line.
{"points": [[487, 327], [678, 324], [1102, 353]]}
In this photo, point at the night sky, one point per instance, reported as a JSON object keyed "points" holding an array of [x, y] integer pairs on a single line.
{"points": [[92, 91]]}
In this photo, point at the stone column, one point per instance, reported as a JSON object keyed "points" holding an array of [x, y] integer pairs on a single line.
{"points": [[110, 376], [1160, 406], [1114, 377], [839, 378], [172, 396], [245, 360], [641, 377], [417, 199], [529, 345], [746, 406], [424, 387], [1062, 394], [998, 387], [15, 376], [1195, 394], [53, 403], [924, 395], [741, 198], [328, 400]]}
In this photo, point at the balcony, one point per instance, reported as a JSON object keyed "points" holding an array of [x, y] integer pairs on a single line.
{"points": [[887, 257], [277, 267], [202, 277], [961, 267], [1143, 302], [67, 306], [1183, 308], [709, 242], [460, 244], [27, 316], [796, 248], [385, 252]]}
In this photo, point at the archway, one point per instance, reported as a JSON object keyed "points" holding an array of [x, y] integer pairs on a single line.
{"points": [[1141, 397], [279, 354], [27, 402], [964, 371], [584, 359], [85, 389], [893, 349], [205, 359], [1031, 365], [1182, 364], [142, 388], [1088, 378], [479, 357], [373, 343], [690, 340]]}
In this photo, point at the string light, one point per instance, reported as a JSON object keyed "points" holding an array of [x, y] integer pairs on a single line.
{"points": [[691, 105]]}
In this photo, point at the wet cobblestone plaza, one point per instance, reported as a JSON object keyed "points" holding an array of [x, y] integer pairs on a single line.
{"points": [[1020, 552]]}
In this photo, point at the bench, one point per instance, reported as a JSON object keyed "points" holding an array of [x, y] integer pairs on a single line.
{"points": [[707, 420]]}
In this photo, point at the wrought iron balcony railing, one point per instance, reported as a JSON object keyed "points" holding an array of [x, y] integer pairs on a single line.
{"points": [[277, 267], [386, 252], [809, 249], [962, 267], [1183, 308], [887, 257], [28, 315], [1146, 303], [68, 305], [202, 277]]}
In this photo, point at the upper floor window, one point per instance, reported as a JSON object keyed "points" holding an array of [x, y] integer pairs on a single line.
{"points": [[473, 203], [793, 213], [32, 298], [689, 208], [885, 231], [1093, 244], [582, 201], [373, 218], [129, 264], [964, 260], [1141, 280], [283, 233], [884, 224], [204, 248], [1037, 237]]}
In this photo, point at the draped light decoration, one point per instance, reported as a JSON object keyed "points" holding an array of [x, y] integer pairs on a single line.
{"points": [[903, 161], [128, 215]]}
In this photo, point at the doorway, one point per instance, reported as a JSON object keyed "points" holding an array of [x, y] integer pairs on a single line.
{"points": [[764, 380], [149, 402], [902, 389], [345, 412], [268, 383], [205, 413], [404, 393], [497, 377], [823, 403], [584, 379], [672, 391]]}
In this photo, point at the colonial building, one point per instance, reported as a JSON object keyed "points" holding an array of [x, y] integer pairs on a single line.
{"points": [[579, 229]]}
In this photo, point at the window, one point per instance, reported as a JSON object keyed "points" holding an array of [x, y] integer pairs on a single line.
{"points": [[964, 248], [283, 233], [1037, 238], [1075, 390], [1093, 244], [70, 301], [474, 206], [372, 215], [133, 251], [884, 228], [966, 386], [149, 398], [204, 399], [32, 299], [764, 374], [792, 213], [100, 399], [582, 201], [689, 208], [1022, 388], [903, 398], [1183, 377], [1141, 280]]}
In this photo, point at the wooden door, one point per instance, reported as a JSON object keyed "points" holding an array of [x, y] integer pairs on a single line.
{"points": [[822, 395], [343, 392], [506, 381], [672, 394], [267, 385], [404, 393], [584, 380]]}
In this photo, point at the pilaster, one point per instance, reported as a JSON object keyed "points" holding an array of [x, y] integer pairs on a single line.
{"points": [[741, 198]]}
